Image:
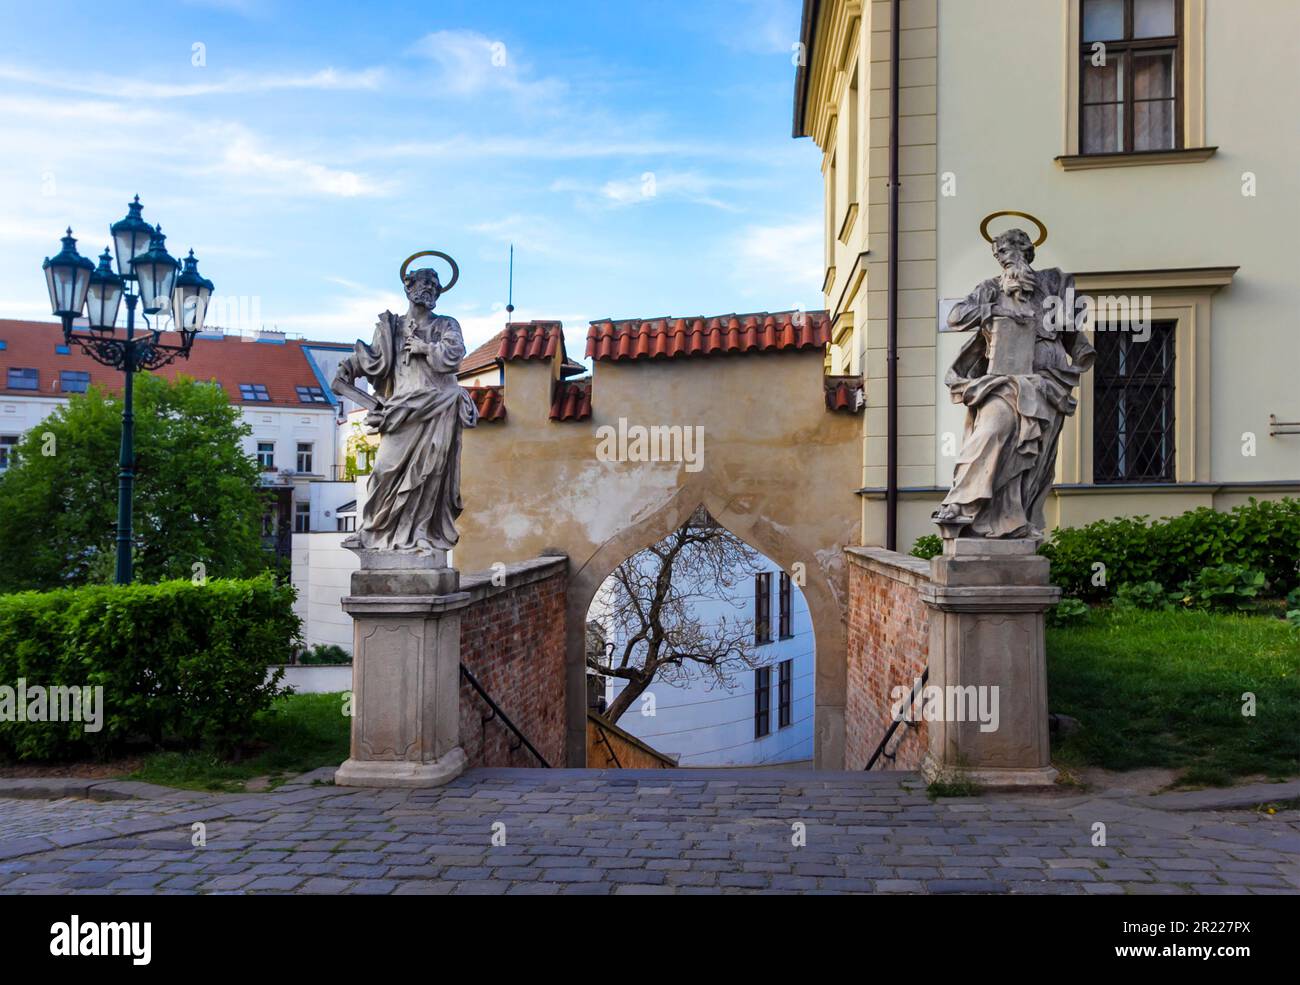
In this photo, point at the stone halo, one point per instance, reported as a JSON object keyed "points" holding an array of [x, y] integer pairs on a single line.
{"points": [[455, 270], [984, 226]]}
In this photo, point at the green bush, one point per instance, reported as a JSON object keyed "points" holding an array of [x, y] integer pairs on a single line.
{"points": [[1067, 612], [927, 546], [1090, 561], [324, 653], [177, 662], [1142, 595], [1224, 588]]}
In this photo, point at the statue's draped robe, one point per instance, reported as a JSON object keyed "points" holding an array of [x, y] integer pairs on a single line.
{"points": [[1008, 455], [413, 493]]}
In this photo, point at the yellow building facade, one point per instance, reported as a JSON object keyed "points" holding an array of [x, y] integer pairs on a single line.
{"points": [[1149, 138]]}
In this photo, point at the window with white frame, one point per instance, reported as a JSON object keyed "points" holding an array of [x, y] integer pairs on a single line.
{"points": [[8, 449]]}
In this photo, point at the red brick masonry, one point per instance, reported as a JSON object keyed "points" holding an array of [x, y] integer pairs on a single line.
{"points": [[512, 640], [888, 646]]}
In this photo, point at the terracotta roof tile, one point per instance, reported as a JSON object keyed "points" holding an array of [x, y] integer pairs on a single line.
{"points": [[278, 366], [844, 393], [531, 340], [571, 400], [670, 338], [490, 401], [484, 356]]}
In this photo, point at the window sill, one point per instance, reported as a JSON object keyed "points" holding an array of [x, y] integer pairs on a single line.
{"points": [[1085, 162]]}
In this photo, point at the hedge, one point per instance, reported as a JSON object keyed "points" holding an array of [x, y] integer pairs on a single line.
{"points": [[178, 662], [1259, 535]]}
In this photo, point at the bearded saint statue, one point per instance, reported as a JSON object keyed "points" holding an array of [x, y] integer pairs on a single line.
{"points": [[413, 493], [1016, 377]]}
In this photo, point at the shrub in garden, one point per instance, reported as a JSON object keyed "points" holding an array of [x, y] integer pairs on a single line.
{"points": [[323, 654], [1142, 595], [178, 662], [927, 546], [1120, 546], [1067, 612], [1224, 587], [1260, 535]]}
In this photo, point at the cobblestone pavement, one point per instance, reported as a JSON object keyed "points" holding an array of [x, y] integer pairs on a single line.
{"points": [[588, 831], [25, 818]]}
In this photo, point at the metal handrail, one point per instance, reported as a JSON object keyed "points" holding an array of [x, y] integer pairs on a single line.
{"points": [[893, 726], [605, 738], [505, 720]]}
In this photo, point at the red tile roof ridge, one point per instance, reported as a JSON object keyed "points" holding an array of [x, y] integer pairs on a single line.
{"points": [[490, 401], [667, 338], [571, 399]]}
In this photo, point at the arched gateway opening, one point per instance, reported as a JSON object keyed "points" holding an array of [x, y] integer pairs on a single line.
{"points": [[700, 653], [733, 414]]}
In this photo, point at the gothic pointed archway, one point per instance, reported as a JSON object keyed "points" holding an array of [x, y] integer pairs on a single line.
{"points": [[778, 464]]}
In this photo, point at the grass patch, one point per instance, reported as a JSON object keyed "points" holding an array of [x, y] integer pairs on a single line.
{"points": [[953, 787], [299, 732], [1165, 689]]}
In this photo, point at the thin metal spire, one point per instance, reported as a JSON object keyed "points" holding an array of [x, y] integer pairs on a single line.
{"points": [[510, 289]]}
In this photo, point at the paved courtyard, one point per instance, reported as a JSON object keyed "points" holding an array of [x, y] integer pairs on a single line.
{"points": [[589, 831]]}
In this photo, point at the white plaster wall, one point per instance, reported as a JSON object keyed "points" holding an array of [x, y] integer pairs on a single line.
{"points": [[315, 680], [286, 426], [325, 498], [707, 725], [322, 572], [1166, 216], [18, 415]]}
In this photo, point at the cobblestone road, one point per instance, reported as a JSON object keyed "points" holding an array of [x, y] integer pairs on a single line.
{"points": [[586, 831]]}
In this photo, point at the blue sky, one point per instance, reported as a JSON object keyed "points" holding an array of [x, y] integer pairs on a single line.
{"points": [[638, 155]]}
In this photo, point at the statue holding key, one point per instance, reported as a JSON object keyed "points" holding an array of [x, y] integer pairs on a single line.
{"points": [[1016, 377]]}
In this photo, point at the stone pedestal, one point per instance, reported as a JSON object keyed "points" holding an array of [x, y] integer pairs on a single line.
{"points": [[987, 600], [405, 675]]}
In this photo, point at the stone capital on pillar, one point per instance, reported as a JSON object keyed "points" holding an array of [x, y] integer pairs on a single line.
{"points": [[405, 678], [987, 601]]}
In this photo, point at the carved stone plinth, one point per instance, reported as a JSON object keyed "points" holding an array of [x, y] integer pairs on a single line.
{"points": [[987, 601], [405, 679]]}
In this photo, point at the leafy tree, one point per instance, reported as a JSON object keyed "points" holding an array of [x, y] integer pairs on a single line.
{"points": [[196, 492], [650, 600]]}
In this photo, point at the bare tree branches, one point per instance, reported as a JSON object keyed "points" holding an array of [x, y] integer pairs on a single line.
{"points": [[653, 600]]}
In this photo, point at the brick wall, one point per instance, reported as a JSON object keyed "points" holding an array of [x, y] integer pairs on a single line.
{"points": [[512, 641], [888, 646]]}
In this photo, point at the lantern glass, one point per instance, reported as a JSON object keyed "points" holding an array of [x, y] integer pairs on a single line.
{"points": [[155, 269], [190, 297], [105, 295], [131, 237], [67, 278]]}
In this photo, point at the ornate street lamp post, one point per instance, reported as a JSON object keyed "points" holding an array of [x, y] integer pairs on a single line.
{"points": [[147, 275]]}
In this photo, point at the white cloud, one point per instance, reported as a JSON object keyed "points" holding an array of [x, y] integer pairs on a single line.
{"points": [[471, 63], [113, 87], [786, 254], [243, 155], [345, 318], [765, 27], [650, 186]]}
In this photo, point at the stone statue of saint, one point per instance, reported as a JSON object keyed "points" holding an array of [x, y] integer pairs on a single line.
{"points": [[1016, 378], [413, 493]]}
